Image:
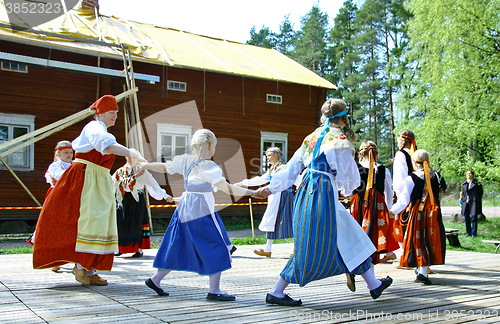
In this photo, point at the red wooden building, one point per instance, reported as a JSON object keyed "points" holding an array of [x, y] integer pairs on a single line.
{"points": [[250, 97]]}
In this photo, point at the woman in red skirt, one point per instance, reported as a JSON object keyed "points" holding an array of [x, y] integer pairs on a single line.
{"points": [[77, 223]]}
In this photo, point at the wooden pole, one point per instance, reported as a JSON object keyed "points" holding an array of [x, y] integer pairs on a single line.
{"points": [[19, 180], [251, 216]]}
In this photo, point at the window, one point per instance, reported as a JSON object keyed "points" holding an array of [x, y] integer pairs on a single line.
{"points": [[271, 139], [11, 127], [274, 99], [176, 85], [172, 140], [14, 67]]}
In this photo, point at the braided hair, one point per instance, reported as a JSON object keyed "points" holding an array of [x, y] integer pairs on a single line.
{"points": [[200, 141]]}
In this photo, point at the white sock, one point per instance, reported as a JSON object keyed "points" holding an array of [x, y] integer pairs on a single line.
{"points": [[369, 278], [79, 267], [214, 282], [269, 245], [279, 288], [158, 277], [423, 270], [91, 272]]}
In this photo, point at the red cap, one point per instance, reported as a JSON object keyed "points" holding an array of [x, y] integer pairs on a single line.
{"points": [[104, 104]]}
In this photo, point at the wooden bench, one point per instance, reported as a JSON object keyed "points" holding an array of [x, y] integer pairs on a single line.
{"points": [[497, 243], [452, 236]]}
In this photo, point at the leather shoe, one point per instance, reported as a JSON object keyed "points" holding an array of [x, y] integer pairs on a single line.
{"points": [[423, 279], [233, 249], [386, 282], [56, 268], [158, 290], [284, 301], [387, 258], [96, 280], [221, 297], [137, 255], [81, 276], [262, 253], [351, 283]]}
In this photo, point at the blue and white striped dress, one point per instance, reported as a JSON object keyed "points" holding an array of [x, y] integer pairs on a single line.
{"points": [[328, 241], [196, 239]]}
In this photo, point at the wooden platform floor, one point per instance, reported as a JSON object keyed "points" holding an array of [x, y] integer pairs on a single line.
{"points": [[466, 289]]}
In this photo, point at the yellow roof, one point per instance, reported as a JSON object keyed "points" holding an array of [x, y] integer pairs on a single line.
{"points": [[159, 45]]}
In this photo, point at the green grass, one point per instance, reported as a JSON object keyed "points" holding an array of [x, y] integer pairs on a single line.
{"points": [[18, 250], [487, 230]]}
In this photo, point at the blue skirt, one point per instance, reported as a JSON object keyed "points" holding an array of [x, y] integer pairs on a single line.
{"points": [[283, 227], [316, 255], [195, 246]]}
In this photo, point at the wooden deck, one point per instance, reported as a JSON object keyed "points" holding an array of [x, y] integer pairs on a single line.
{"points": [[466, 289]]}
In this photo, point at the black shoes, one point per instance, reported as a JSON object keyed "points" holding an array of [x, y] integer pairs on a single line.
{"points": [[351, 283], [151, 285], [118, 253], [233, 249], [284, 301], [137, 255], [423, 279], [220, 297], [386, 282]]}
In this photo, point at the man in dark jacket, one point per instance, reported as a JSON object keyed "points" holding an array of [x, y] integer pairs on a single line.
{"points": [[471, 196]]}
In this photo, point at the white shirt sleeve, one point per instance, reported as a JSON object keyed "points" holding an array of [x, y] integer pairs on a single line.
{"points": [[257, 181], [210, 172], [404, 197], [94, 136], [388, 192], [285, 177], [400, 172], [347, 178], [153, 187]]}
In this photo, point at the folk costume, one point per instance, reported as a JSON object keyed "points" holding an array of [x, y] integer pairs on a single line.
{"points": [[370, 204], [54, 172], [277, 219], [196, 239], [402, 168], [131, 213], [424, 242], [78, 220], [328, 241], [52, 176]]}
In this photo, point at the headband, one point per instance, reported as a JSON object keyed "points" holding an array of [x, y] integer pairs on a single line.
{"points": [[367, 148], [406, 137], [64, 148]]}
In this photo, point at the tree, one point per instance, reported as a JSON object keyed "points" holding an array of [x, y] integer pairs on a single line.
{"points": [[455, 48], [344, 58], [265, 37], [286, 38], [311, 42]]}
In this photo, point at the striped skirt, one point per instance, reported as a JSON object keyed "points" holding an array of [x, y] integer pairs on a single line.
{"points": [[284, 225], [316, 254]]}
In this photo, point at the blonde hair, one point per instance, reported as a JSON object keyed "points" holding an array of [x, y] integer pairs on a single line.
{"points": [[200, 140], [331, 107], [364, 150], [420, 156], [61, 144], [275, 150]]}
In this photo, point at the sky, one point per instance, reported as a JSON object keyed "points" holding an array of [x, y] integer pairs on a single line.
{"points": [[226, 19]]}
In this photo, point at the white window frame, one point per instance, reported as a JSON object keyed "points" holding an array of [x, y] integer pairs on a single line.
{"points": [[14, 67], [173, 130], [176, 85], [274, 98], [28, 121], [273, 137]]}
